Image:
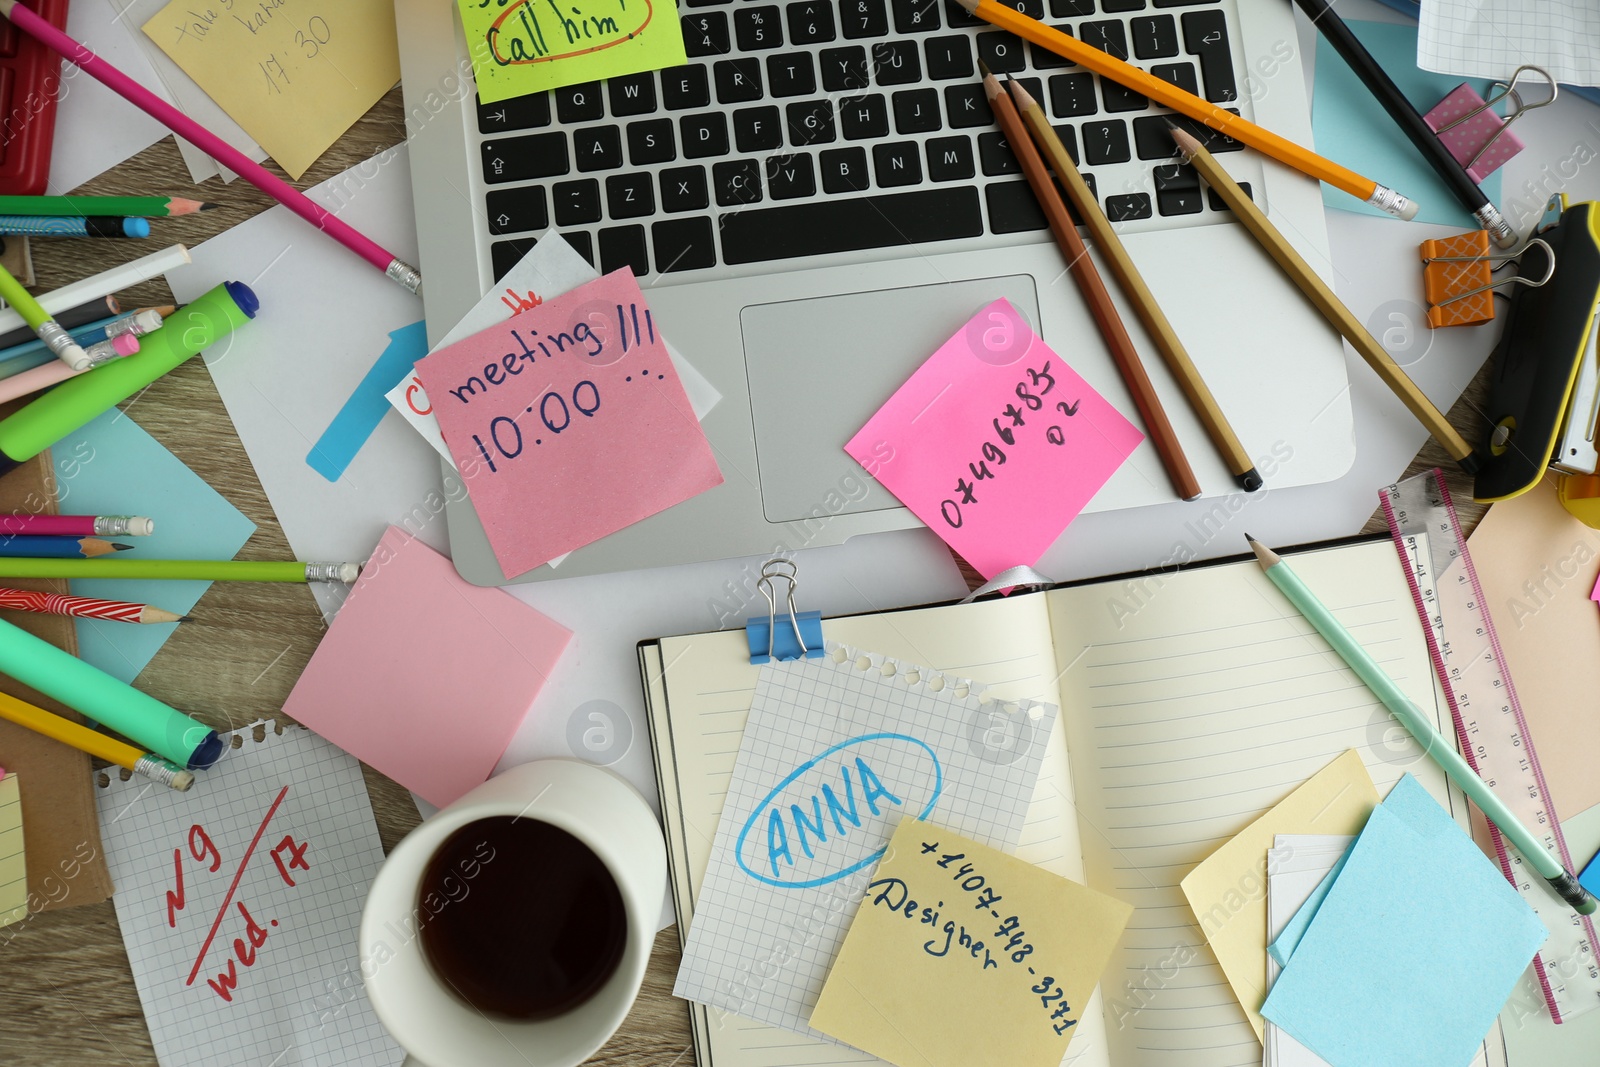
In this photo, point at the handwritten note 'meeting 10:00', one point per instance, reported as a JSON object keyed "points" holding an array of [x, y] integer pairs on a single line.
{"points": [[568, 422]]}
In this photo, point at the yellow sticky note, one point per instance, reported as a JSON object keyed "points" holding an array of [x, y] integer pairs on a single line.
{"points": [[13, 866], [295, 74], [1228, 890], [963, 955], [524, 46]]}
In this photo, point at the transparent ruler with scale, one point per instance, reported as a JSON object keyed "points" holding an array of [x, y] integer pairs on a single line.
{"points": [[1489, 724]]}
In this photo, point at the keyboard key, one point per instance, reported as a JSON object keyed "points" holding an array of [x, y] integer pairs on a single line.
{"points": [[519, 113], [1182, 3], [1063, 9], [948, 57], [580, 103], [1121, 98], [949, 158], [810, 122], [896, 63], [1034, 9], [966, 106], [581, 243], [630, 196], [684, 244], [1069, 140], [1175, 176], [705, 33], [1106, 142], [623, 246], [956, 16], [864, 116], [1001, 52], [516, 210], [757, 129], [1127, 207], [1044, 59], [995, 155], [632, 94], [651, 142], [576, 202], [863, 18], [791, 74], [1205, 36], [1072, 95], [844, 69], [1178, 201], [1118, 6], [686, 86], [1180, 74], [704, 135], [756, 28], [1218, 204], [1013, 208], [1110, 37], [915, 16], [1155, 37], [844, 170], [810, 22], [504, 255], [897, 163], [738, 181], [881, 221], [519, 159], [738, 80], [597, 148], [683, 189], [1154, 141], [705, 3], [916, 111], [790, 176]]}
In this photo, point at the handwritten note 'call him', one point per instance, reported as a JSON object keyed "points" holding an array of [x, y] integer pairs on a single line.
{"points": [[568, 422], [995, 442]]}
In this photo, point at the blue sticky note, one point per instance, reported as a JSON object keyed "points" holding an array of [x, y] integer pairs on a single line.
{"points": [[1351, 127], [112, 467], [1413, 951], [368, 404], [1590, 878]]}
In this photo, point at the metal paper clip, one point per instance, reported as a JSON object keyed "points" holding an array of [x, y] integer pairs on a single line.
{"points": [[801, 623], [1518, 108], [1496, 263]]}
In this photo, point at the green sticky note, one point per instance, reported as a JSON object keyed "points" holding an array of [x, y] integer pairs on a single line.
{"points": [[525, 46]]}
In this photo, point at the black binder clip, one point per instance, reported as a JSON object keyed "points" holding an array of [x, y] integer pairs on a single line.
{"points": [[768, 640]]}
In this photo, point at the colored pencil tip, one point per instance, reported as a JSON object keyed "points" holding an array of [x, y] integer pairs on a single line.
{"points": [[208, 207], [983, 70], [118, 546]]}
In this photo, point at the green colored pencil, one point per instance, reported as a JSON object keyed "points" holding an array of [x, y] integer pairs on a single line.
{"points": [[148, 206], [200, 570]]}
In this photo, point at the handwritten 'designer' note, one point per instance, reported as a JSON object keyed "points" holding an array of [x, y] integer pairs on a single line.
{"points": [[962, 954], [523, 46], [568, 422], [995, 442]]}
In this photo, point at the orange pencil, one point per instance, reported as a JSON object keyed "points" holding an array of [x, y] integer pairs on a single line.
{"points": [[1168, 95]]}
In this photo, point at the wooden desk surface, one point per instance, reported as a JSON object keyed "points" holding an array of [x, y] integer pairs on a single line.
{"points": [[67, 996]]}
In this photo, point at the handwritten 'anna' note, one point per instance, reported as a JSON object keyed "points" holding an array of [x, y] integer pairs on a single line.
{"points": [[523, 46], [995, 442], [568, 422], [962, 954]]}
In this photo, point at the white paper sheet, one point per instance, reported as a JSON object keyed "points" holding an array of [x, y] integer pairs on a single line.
{"points": [[1295, 866], [95, 128]]}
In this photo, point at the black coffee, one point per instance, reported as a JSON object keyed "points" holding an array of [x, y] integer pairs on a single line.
{"points": [[531, 923]]}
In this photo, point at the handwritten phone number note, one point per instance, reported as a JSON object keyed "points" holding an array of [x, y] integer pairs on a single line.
{"points": [[963, 954], [995, 442]]}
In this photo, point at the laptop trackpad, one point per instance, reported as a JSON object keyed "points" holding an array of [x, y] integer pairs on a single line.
{"points": [[820, 368]]}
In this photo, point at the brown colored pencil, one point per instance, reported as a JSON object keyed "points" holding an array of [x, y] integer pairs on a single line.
{"points": [[1324, 300], [1138, 293], [1094, 292]]}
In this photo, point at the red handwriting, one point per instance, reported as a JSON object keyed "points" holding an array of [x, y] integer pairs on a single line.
{"points": [[518, 304]]}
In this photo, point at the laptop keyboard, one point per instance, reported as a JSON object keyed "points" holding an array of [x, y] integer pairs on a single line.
{"points": [[826, 126]]}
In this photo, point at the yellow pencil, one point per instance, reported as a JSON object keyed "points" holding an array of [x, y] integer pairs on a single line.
{"points": [[95, 743], [1168, 95]]}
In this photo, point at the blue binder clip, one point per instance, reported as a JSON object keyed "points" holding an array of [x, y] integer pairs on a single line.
{"points": [[768, 640]]}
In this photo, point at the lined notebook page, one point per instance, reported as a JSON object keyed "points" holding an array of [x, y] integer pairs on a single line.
{"points": [[697, 731], [1193, 703]]}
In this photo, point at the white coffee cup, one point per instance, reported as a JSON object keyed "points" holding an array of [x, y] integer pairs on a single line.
{"points": [[435, 1027]]}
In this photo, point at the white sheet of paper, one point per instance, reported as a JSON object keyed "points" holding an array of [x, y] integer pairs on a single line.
{"points": [[1295, 866], [95, 128]]}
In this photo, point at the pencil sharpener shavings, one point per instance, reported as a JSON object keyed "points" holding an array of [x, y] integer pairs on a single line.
{"points": [[1467, 139], [1443, 283]]}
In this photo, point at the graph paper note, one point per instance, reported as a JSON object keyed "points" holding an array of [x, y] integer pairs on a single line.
{"points": [[239, 902], [1491, 38], [13, 865], [835, 752]]}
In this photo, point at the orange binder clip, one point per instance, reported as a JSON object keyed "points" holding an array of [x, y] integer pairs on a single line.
{"points": [[1458, 278]]}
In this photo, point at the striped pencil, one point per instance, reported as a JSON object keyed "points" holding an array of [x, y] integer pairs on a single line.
{"points": [[74, 225], [82, 607], [77, 525]]}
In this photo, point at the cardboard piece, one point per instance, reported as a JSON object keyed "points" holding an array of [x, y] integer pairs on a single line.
{"points": [[1335, 800], [13, 857], [961, 954]]}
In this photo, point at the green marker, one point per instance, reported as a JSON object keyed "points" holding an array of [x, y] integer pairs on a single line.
{"points": [[79, 400]]}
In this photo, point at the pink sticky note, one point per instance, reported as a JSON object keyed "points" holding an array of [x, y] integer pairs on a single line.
{"points": [[568, 422], [424, 676], [995, 442], [1595, 593]]}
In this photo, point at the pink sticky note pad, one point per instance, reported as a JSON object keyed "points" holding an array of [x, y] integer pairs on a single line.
{"points": [[995, 442], [568, 422], [424, 676]]}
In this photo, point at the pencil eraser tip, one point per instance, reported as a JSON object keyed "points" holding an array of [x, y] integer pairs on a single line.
{"points": [[1408, 210], [182, 780], [141, 527], [349, 572], [136, 227], [125, 345]]}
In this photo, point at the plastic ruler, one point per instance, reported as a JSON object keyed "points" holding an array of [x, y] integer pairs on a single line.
{"points": [[1490, 728]]}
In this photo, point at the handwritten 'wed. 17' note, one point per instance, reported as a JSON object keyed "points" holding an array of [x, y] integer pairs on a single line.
{"points": [[995, 442]]}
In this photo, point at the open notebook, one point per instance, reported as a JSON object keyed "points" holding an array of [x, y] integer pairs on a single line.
{"points": [[1190, 702]]}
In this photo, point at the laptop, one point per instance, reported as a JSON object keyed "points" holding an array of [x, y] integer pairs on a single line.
{"points": [[820, 198]]}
